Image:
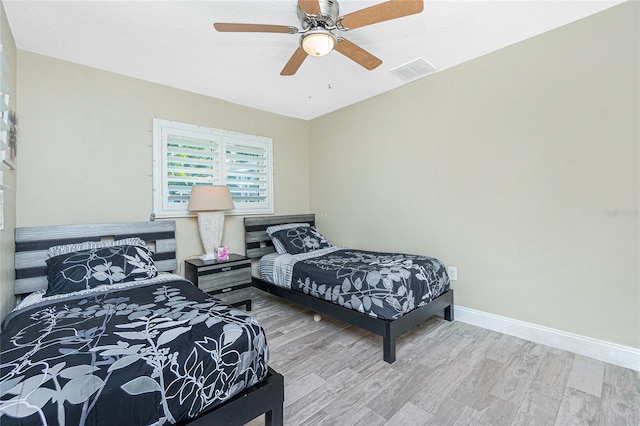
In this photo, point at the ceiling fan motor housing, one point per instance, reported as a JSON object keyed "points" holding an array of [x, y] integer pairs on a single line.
{"points": [[327, 18]]}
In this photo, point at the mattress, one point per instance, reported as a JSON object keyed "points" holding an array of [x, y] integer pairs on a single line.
{"points": [[151, 352], [378, 284]]}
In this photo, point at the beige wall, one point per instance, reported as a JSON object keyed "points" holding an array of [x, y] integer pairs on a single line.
{"points": [[7, 243], [86, 154], [520, 168]]}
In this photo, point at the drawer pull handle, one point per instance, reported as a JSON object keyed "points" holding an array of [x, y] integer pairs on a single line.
{"points": [[228, 268], [226, 290]]}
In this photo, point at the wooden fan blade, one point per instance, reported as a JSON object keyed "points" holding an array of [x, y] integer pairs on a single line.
{"points": [[310, 7], [357, 54], [254, 28], [294, 63], [382, 12]]}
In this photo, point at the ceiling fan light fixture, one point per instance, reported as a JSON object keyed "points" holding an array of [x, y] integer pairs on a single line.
{"points": [[318, 42]]}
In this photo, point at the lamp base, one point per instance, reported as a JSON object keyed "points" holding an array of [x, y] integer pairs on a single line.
{"points": [[210, 225], [208, 256]]}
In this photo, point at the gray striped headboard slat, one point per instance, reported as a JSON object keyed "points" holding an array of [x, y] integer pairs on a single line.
{"points": [[32, 244]]}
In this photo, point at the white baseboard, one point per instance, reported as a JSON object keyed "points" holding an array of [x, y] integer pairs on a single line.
{"points": [[624, 356]]}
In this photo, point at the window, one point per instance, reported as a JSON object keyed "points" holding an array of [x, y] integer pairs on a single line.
{"points": [[185, 155]]}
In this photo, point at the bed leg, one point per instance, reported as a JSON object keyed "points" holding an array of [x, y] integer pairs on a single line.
{"points": [[274, 417], [448, 313], [389, 344]]}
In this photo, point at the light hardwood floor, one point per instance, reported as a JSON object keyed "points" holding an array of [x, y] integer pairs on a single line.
{"points": [[445, 374]]}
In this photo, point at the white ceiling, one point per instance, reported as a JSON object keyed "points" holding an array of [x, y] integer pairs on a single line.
{"points": [[174, 43]]}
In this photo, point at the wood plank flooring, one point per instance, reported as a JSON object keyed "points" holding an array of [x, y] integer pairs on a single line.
{"points": [[445, 374]]}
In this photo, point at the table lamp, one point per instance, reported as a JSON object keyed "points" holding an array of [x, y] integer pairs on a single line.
{"points": [[210, 201]]}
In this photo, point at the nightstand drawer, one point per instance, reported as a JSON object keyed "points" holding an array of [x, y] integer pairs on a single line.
{"points": [[224, 279], [235, 296]]}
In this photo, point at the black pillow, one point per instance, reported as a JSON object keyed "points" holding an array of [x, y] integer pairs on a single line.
{"points": [[86, 269], [301, 239]]}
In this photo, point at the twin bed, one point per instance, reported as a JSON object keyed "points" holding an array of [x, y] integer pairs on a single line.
{"points": [[149, 348], [384, 293]]}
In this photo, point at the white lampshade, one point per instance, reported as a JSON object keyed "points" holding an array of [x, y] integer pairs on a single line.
{"points": [[210, 198], [318, 42]]}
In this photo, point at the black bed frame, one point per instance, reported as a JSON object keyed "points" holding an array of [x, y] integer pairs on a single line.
{"points": [[266, 397], [31, 244], [258, 244]]}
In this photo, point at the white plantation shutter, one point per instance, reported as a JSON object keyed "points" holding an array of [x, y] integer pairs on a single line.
{"points": [[187, 155], [247, 173], [190, 161]]}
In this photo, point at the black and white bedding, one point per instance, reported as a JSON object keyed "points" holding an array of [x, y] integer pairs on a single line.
{"points": [[381, 285], [147, 352]]}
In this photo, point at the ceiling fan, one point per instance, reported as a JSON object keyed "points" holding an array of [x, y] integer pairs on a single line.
{"points": [[320, 18]]}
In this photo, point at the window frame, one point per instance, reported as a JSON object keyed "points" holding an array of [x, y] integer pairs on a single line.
{"points": [[163, 128]]}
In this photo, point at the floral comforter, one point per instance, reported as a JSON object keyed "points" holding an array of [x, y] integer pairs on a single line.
{"points": [[146, 354], [382, 285]]}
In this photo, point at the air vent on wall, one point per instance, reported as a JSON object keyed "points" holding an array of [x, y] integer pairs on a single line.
{"points": [[414, 69]]}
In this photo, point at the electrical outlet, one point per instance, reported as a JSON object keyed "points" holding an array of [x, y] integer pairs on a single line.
{"points": [[453, 273]]}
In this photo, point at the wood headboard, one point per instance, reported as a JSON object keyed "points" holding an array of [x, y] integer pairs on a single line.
{"points": [[32, 244], [256, 240]]}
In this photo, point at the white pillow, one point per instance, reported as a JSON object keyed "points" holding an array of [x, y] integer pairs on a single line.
{"points": [[276, 243], [87, 245]]}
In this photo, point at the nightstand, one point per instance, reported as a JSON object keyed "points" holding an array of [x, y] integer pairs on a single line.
{"points": [[228, 280]]}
